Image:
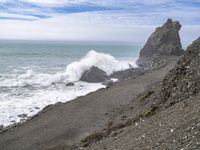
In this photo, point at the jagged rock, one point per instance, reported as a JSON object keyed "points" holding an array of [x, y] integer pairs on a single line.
{"points": [[1, 127], [23, 115], [70, 84], [183, 81], [128, 73], [153, 62], [94, 75], [108, 83], [165, 41]]}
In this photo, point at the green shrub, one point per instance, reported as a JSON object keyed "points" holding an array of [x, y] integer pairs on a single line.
{"points": [[92, 138], [148, 94], [150, 112]]}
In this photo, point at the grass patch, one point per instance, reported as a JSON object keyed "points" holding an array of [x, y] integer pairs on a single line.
{"points": [[183, 77], [148, 94], [92, 138], [150, 112]]}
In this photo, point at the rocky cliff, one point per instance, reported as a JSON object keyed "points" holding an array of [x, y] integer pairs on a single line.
{"points": [[165, 41], [145, 124], [184, 80]]}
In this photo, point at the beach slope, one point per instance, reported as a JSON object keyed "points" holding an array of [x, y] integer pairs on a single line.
{"points": [[66, 124]]}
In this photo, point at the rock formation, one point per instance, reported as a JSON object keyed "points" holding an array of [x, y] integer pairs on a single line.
{"points": [[184, 80], [1, 128], [165, 41], [94, 75], [70, 84], [128, 73]]}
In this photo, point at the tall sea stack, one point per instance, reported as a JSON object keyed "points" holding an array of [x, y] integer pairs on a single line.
{"points": [[165, 41]]}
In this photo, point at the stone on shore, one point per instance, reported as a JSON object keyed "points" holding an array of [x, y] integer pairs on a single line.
{"points": [[126, 74]]}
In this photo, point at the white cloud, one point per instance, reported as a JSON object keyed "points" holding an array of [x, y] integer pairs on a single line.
{"points": [[67, 28], [108, 3], [46, 2], [80, 27], [3, 1], [18, 16], [130, 24]]}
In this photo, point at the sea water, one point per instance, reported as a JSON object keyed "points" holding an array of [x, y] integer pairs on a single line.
{"points": [[34, 74]]}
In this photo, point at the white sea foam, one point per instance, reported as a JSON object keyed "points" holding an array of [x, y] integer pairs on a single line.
{"points": [[103, 61], [72, 73], [24, 93], [13, 105]]}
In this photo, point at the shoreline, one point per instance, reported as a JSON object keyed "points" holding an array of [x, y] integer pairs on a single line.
{"points": [[69, 122], [29, 117], [24, 120], [27, 91]]}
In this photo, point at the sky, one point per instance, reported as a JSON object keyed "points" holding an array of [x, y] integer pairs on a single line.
{"points": [[95, 20]]}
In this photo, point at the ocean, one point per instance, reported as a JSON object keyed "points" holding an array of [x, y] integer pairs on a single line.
{"points": [[34, 74]]}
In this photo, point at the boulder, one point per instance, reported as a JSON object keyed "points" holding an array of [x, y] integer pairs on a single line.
{"points": [[70, 84], [165, 41], [108, 83], [183, 81], [1, 127], [94, 75], [126, 74], [23, 115]]}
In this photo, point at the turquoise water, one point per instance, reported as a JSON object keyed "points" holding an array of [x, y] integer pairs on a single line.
{"points": [[53, 56], [34, 74]]}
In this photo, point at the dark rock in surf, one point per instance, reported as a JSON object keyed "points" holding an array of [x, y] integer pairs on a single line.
{"points": [[94, 75], [70, 84], [22, 115], [165, 41], [1, 128], [108, 83], [183, 81]]}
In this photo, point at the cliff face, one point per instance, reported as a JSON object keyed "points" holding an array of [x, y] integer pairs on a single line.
{"points": [[183, 81], [145, 124], [165, 41]]}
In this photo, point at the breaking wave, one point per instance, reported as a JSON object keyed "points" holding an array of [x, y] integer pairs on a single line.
{"points": [[72, 73], [29, 92]]}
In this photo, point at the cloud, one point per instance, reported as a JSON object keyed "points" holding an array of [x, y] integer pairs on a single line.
{"points": [[94, 2], [46, 2], [120, 20], [16, 17], [135, 11], [66, 28]]}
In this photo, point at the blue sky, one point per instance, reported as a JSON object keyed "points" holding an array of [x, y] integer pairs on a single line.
{"points": [[104, 20]]}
